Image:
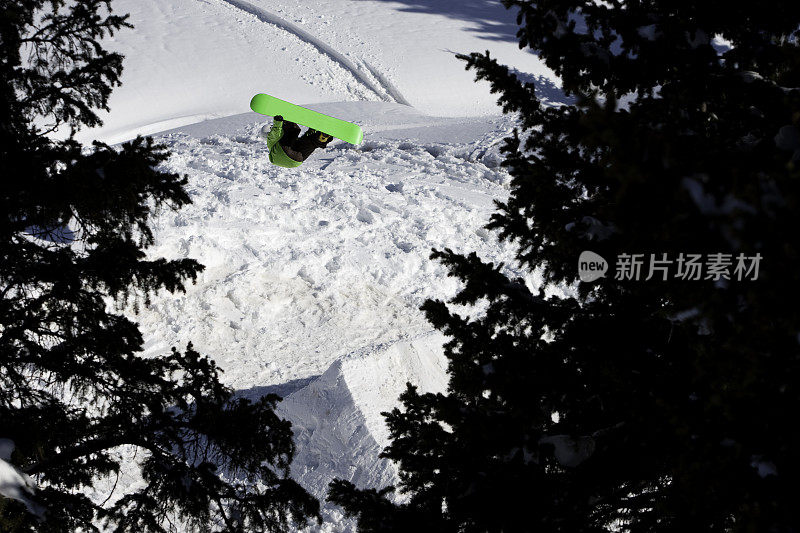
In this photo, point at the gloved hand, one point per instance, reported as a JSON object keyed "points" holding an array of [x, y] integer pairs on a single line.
{"points": [[279, 118]]}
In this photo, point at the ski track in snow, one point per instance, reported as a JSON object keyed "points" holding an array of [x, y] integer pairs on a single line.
{"points": [[388, 85], [384, 89]]}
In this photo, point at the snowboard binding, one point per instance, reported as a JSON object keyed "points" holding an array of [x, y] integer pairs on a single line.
{"points": [[320, 139], [323, 139]]}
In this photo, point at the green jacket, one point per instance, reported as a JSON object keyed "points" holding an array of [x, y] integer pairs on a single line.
{"points": [[276, 154]]}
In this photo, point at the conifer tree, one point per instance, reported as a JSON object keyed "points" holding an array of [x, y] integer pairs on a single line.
{"points": [[660, 404], [77, 398]]}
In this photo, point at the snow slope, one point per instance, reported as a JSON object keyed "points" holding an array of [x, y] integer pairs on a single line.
{"points": [[315, 275], [190, 60]]}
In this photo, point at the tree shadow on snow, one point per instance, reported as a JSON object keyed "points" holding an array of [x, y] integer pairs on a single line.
{"points": [[546, 91], [489, 17], [282, 389]]}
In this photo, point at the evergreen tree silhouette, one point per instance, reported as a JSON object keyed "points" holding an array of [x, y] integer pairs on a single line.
{"points": [[76, 395], [650, 405]]}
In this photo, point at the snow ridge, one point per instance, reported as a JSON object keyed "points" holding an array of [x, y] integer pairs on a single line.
{"points": [[336, 420]]}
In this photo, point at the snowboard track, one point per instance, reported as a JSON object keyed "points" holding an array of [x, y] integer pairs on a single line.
{"points": [[384, 88], [388, 85]]}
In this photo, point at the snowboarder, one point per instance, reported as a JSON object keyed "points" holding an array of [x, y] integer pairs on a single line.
{"points": [[286, 147]]}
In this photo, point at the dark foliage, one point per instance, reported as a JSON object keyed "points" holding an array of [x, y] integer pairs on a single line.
{"points": [[76, 396], [650, 405]]}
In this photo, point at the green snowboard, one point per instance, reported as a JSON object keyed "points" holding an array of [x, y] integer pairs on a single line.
{"points": [[269, 105]]}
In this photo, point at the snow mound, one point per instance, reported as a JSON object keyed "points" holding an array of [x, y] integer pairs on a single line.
{"points": [[338, 428]]}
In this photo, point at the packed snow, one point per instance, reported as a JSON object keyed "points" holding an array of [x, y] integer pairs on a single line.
{"points": [[315, 275]]}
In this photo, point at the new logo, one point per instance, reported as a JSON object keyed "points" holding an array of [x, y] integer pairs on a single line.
{"points": [[591, 266]]}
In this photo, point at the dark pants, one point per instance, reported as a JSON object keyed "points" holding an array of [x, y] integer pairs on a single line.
{"points": [[295, 146]]}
